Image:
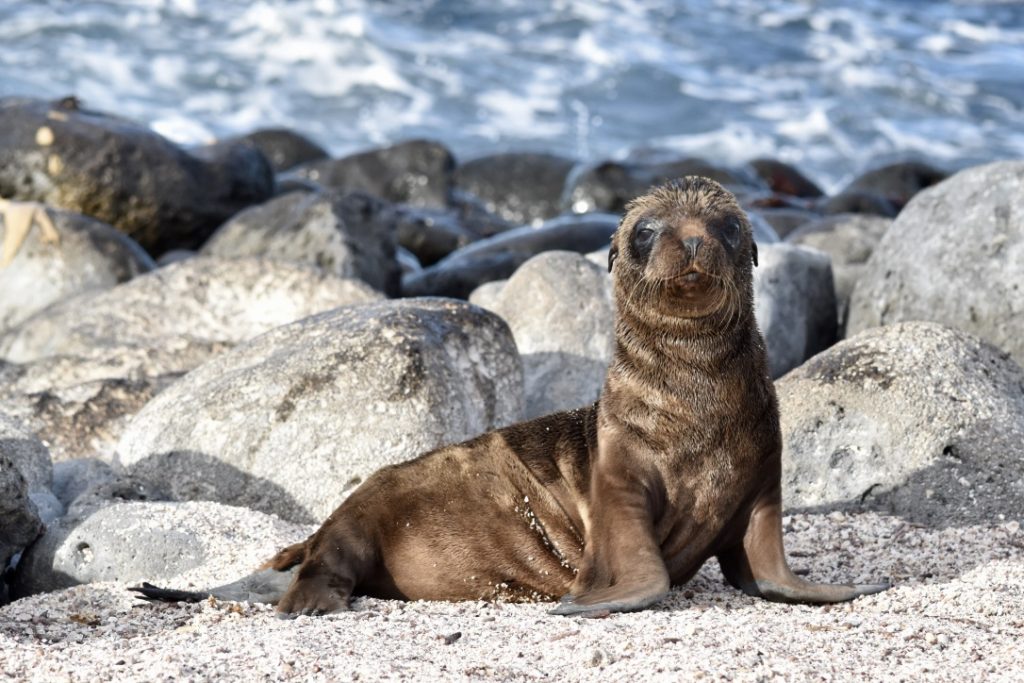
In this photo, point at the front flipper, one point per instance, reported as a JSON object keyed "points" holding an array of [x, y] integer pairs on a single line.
{"points": [[622, 568], [630, 597], [758, 566]]}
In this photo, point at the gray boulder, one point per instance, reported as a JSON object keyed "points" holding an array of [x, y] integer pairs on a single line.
{"points": [[124, 174], [916, 419], [849, 239], [559, 307], [326, 230], [178, 316], [136, 541], [81, 255], [795, 304], [291, 420], [955, 255]]}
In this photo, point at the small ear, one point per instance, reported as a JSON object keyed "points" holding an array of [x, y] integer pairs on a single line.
{"points": [[753, 252], [613, 253]]}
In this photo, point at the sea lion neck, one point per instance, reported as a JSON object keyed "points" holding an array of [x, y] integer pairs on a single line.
{"points": [[711, 342]]}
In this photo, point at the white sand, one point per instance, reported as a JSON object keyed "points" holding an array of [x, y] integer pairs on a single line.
{"points": [[955, 612]]}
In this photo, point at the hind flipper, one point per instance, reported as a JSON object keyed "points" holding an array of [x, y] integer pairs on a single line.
{"points": [[151, 593], [265, 586]]}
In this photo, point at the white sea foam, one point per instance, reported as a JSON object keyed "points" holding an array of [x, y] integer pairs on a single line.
{"points": [[832, 88]]}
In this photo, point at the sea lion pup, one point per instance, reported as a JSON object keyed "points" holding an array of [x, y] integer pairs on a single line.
{"points": [[678, 461]]}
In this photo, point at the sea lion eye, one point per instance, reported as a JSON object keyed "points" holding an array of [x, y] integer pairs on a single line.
{"points": [[730, 229], [643, 239]]}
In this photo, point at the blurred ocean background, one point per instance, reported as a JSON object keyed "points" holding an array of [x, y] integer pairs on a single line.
{"points": [[832, 87]]}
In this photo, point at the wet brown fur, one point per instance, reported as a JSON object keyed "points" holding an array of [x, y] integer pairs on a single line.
{"points": [[678, 462]]}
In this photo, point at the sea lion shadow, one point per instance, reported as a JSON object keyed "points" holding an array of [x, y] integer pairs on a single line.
{"points": [[934, 501]]}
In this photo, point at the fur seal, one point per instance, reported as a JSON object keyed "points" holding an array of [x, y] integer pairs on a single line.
{"points": [[678, 461]]}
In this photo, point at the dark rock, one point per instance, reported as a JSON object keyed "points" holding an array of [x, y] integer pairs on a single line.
{"points": [[496, 258], [898, 182], [913, 419], [785, 179], [285, 148], [582, 234], [459, 280], [125, 174], [432, 234], [955, 255], [292, 420], [407, 261], [19, 519], [417, 172], [83, 255], [859, 201], [610, 185], [29, 456], [351, 236], [520, 187]]}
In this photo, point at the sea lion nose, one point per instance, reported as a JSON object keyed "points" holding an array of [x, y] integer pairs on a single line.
{"points": [[692, 244]]}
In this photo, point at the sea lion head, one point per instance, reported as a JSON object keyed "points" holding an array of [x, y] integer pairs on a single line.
{"points": [[684, 251]]}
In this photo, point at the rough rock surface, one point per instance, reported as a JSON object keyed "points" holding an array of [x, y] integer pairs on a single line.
{"points": [[290, 421], [327, 230], [951, 616], [559, 307], [26, 453], [76, 420], [794, 303], [88, 255], [125, 174], [915, 418], [849, 239], [181, 314], [417, 172], [521, 187], [19, 518], [955, 255], [151, 541]]}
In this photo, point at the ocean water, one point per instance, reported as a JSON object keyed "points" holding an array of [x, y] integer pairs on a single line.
{"points": [[832, 87]]}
